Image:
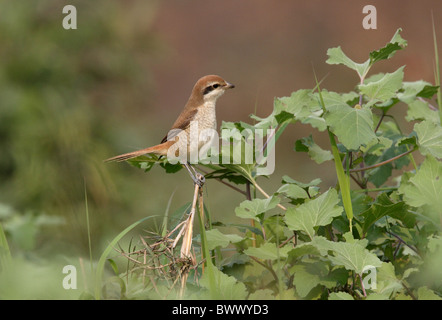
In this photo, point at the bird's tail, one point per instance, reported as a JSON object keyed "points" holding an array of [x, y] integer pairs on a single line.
{"points": [[160, 149]]}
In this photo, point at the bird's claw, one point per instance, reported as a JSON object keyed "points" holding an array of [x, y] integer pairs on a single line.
{"points": [[200, 180]]}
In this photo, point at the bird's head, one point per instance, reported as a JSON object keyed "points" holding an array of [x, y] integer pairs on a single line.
{"points": [[211, 87]]}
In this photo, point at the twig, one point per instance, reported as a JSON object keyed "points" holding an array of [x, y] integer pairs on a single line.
{"points": [[362, 285], [403, 241], [287, 240], [226, 183], [383, 162], [267, 267], [252, 221], [380, 121]]}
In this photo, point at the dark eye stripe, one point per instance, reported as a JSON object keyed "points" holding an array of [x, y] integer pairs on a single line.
{"points": [[210, 88]]}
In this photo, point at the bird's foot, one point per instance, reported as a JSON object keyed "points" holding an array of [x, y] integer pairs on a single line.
{"points": [[199, 179]]}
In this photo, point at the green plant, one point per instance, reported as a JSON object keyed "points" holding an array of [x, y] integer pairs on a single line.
{"points": [[379, 239]]}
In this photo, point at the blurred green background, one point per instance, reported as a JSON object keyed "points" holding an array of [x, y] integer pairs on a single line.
{"points": [[71, 98]]}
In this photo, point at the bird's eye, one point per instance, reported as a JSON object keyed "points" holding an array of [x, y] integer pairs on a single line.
{"points": [[211, 88]]}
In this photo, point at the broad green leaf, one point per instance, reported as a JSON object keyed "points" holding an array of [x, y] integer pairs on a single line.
{"points": [[337, 56], [303, 106], [315, 152], [215, 238], [332, 98], [311, 273], [384, 88], [411, 90], [419, 110], [227, 287], [144, 162], [424, 189], [429, 138], [269, 251], [305, 278], [262, 294], [387, 52], [313, 183], [423, 293], [314, 213], [385, 207], [340, 296], [387, 283], [377, 146], [252, 209], [358, 129], [351, 255], [293, 191], [301, 250]]}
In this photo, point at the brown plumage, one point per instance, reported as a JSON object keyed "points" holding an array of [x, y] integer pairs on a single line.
{"points": [[200, 106]]}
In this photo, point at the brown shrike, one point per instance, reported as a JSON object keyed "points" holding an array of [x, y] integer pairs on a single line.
{"points": [[200, 109]]}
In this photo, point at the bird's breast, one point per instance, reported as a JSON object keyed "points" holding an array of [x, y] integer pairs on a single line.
{"points": [[206, 116]]}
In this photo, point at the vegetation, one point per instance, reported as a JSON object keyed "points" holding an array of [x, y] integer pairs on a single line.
{"points": [[379, 240], [375, 235]]}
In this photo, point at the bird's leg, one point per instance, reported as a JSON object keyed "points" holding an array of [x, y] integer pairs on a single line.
{"points": [[197, 177]]}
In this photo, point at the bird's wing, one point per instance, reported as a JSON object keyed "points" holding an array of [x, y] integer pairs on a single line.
{"points": [[181, 123]]}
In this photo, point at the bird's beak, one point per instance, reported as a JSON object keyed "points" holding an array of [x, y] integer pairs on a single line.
{"points": [[229, 86]]}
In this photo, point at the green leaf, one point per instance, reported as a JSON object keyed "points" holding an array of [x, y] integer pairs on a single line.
{"points": [[313, 183], [387, 283], [419, 110], [226, 287], [387, 52], [384, 88], [305, 278], [424, 189], [314, 213], [262, 294], [252, 209], [143, 162], [293, 191], [423, 293], [352, 255], [385, 207], [315, 152], [302, 105], [429, 138], [337, 56], [390, 144], [215, 238], [268, 251], [340, 296], [411, 90], [358, 129]]}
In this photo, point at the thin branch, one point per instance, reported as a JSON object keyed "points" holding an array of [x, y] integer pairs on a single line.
{"points": [[380, 121], [226, 183], [267, 196], [403, 241], [357, 181], [362, 285], [384, 162], [267, 267]]}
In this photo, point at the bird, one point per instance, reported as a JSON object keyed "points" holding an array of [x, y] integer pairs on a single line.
{"points": [[199, 109]]}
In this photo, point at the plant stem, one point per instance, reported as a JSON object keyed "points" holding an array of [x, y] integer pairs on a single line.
{"points": [[252, 221], [437, 70], [384, 162], [362, 286]]}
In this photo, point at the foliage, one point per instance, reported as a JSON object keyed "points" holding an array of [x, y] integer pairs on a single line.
{"points": [[304, 243], [378, 238], [318, 247]]}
